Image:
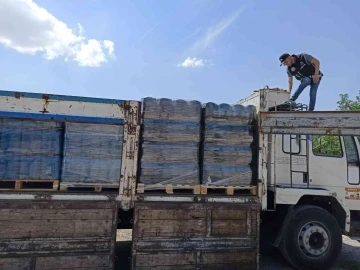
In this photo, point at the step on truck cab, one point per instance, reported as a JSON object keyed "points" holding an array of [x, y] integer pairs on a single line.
{"points": [[201, 185]]}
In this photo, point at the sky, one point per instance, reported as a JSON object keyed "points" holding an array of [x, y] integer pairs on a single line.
{"points": [[208, 50]]}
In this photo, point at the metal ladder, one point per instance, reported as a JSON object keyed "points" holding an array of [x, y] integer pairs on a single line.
{"points": [[297, 107], [299, 139], [305, 173]]}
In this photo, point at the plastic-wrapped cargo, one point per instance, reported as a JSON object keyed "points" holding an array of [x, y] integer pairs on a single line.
{"points": [[92, 154], [36, 167], [228, 157], [169, 152], [30, 150]]}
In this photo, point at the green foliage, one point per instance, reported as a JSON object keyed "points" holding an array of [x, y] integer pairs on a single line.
{"points": [[330, 145], [327, 146], [346, 104]]}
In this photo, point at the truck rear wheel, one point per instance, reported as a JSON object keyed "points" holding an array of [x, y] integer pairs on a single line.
{"points": [[313, 239]]}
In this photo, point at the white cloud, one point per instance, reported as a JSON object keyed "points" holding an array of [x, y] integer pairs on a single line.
{"points": [[30, 29], [192, 63], [214, 32]]}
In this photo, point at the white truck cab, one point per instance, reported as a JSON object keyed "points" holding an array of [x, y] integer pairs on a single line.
{"points": [[309, 180]]}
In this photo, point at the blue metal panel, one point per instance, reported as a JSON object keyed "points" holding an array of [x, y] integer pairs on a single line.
{"points": [[60, 97], [65, 118]]}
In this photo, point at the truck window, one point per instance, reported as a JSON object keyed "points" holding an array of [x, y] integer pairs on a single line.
{"points": [[350, 149], [295, 144], [329, 146]]}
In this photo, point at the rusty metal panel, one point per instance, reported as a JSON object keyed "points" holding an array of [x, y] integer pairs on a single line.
{"points": [[179, 235], [130, 154], [36, 105], [310, 122], [57, 234]]}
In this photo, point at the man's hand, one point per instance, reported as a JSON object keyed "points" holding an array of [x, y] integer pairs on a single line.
{"points": [[315, 78]]}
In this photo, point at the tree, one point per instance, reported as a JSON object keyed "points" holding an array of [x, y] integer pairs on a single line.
{"points": [[346, 104]]}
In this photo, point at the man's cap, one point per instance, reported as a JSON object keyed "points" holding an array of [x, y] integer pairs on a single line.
{"points": [[283, 57]]}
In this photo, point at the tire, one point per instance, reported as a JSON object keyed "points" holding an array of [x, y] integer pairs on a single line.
{"points": [[313, 239]]}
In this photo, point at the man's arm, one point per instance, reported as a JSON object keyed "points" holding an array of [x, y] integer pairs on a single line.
{"points": [[290, 84], [310, 59], [316, 64], [290, 81]]}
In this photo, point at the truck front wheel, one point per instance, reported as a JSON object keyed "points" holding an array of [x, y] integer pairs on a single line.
{"points": [[313, 239]]}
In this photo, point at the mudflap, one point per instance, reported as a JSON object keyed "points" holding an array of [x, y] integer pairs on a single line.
{"points": [[354, 225]]}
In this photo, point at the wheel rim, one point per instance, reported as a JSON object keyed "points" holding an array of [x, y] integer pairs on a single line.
{"points": [[314, 239]]}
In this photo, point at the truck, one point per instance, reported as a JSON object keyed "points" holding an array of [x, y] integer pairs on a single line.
{"points": [[202, 186]]}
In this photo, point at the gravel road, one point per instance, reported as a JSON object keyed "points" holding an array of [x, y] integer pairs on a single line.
{"points": [[272, 260]]}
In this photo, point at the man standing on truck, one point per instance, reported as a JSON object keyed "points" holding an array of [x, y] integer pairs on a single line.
{"points": [[306, 69]]}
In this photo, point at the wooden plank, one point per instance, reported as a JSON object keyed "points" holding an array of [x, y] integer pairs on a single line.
{"points": [[236, 256], [78, 187], [228, 266], [168, 189], [17, 263], [29, 185], [230, 214], [229, 190], [195, 243], [169, 267], [165, 259], [31, 246], [164, 214], [229, 227], [55, 214], [171, 228], [51, 228], [24, 204], [73, 262]]}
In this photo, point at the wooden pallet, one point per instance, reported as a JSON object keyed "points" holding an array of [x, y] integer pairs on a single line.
{"points": [[29, 185], [229, 190], [168, 189], [89, 188]]}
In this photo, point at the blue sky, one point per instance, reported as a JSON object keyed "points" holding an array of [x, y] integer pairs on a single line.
{"points": [[236, 44]]}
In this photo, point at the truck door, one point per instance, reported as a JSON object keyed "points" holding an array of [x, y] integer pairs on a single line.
{"points": [[352, 187], [352, 158]]}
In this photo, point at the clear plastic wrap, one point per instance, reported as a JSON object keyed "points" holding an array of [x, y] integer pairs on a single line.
{"points": [[169, 152], [92, 153], [165, 108], [228, 158], [39, 167], [30, 150], [28, 137]]}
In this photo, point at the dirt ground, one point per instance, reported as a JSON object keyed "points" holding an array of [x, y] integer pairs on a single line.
{"points": [[348, 260]]}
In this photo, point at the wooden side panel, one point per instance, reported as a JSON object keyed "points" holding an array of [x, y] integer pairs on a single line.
{"points": [[195, 236], [15, 263], [73, 262], [57, 234]]}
